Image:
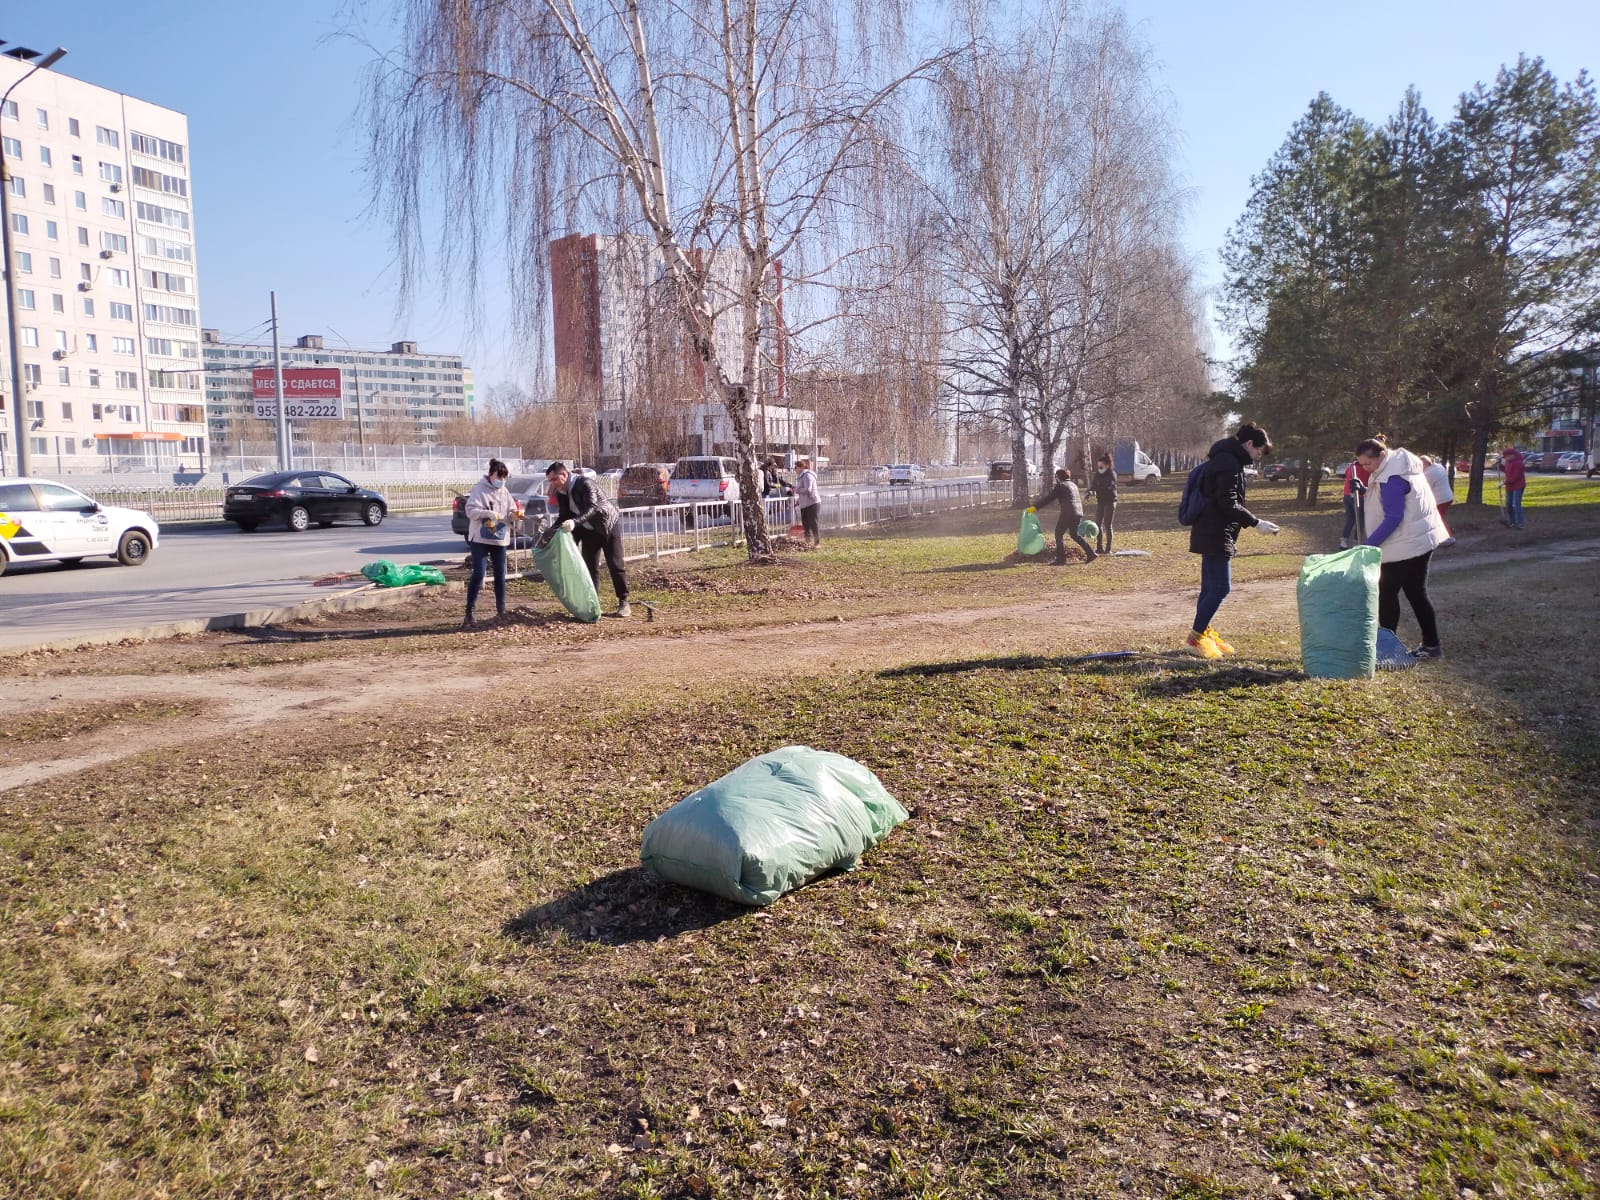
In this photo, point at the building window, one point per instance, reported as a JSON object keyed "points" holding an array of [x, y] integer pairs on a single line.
{"points": [[30, 374], [129, 412], [30, 336], [80, 201], [25, 299], [114, 241], [58, 302], [121, 312], [66, 405], [39, 445], [122, 345], [10, 109], [72, 126], [77, 164], [55, 268], [88, 306], [110, 172], [127, 379], [64, 376], [44, 157], [19, 187], [43, 118], [86, 272], [91, 342], [24, 263], [107, 137], [61, 340], [94, 377], [13, 147], [19, 223], [119, 276], [49, 190], [97, 412], [113, 208]]}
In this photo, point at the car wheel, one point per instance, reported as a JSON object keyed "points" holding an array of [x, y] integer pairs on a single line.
{"points": [[299, 519], [1151, 480], [372, 514], [134, 548], [70, 562], [246, 526]]}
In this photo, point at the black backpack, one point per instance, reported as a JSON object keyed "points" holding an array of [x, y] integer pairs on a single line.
{"points": [[1193, 501]]}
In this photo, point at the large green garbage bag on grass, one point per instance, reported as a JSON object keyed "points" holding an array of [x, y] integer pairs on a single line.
{"points": [[1030, 538], [562, 567], [771, 825], [387, 574], [1088, 529], [1338, 600]]}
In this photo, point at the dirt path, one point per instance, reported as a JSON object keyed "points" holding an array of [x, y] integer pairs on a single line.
{"points": [[295, 699]]}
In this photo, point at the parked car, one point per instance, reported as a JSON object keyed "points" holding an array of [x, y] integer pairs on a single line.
{"points": [[1289, 468], [702, 477], [1000, 472], [906, 474], [531, 491], [298, 498], [1533, 460], [644, 485], [45, 521], [1572, 460], [880, 474]]}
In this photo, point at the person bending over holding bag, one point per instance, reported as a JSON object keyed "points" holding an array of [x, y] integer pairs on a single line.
{"points": [[595, 524], [1065, 493]]}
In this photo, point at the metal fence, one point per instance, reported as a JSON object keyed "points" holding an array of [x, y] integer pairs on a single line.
{"points": [[180, 505]]}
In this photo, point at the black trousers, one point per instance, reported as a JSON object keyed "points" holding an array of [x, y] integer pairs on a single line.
{"points": [[1409, 575], [809, 522], [1105, 512], [1067, 525], [590, 543]]}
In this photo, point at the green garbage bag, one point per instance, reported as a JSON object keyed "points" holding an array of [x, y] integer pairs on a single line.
{"points": [[1088, 529], [387, 574], [1338, 601], [562, 567], [771, 825], [1030, 538]]}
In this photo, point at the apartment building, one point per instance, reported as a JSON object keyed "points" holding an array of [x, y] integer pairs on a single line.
{"points": [[103, 244], [394, 396]]}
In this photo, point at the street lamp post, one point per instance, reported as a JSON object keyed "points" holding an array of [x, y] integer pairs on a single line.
{"points": [[18, 421]]}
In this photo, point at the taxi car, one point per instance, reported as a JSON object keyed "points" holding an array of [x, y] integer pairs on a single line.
{"points": [[45, 521]]}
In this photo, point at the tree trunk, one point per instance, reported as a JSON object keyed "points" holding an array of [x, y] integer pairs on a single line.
{"points": [[736, 399], [1480, 451], [1021, 496]]}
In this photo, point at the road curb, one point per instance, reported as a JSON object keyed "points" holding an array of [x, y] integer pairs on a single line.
{"points": [[364, 597]]}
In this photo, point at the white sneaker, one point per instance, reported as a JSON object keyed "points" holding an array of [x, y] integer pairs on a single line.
{"points": [[624, 609]]}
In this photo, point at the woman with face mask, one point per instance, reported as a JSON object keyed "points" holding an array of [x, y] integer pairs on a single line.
{"points": [[490, 512]]}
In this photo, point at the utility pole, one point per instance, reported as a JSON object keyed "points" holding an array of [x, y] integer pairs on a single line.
{"points": [[285, 450]]}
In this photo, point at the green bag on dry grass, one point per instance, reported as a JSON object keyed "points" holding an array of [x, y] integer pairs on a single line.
{"points": [[387, 574], [771, 825], [1030, 537], [1338, 600], [562, 567]]}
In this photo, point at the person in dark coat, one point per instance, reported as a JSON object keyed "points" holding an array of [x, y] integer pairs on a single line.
{"points": [[1065, 493], [1104, 487], [1215, 534], [595, 524]]}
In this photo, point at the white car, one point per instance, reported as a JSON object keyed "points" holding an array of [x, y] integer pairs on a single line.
{"points": [[45, 521], [906, 473]]}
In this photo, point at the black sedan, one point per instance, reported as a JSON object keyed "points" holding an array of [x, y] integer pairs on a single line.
{"points": [[298, 498]]}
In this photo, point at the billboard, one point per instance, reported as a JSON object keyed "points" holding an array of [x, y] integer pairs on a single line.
{"points": [[309, 393]]}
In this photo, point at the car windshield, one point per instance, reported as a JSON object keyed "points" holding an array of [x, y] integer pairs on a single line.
{"points": [[650, 474], [698, 468]]}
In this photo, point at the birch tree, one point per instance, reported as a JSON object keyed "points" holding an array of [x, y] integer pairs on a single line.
{"points": [[724, 131]]}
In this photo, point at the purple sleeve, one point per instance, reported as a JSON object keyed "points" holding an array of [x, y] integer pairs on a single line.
{"points": [[1394, 492]]}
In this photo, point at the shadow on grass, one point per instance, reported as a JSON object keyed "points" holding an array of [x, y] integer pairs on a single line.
{"points": [[515, 619], [625, 906], [1161, 673], [964, 568]]}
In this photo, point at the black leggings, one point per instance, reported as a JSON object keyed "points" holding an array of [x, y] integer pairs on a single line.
{"points": [[809, 522], [1409, 575], [1105, 511], [590, 543], [1067, 524]]}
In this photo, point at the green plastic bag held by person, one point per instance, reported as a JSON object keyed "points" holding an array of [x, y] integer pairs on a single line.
{"points": [[562, 567], [1338, 601], [771, 825], [1030, 537], [386, 574], [1088, 529]]}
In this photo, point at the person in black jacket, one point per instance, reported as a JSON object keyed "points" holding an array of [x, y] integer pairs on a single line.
{"points": [[595, 524], [1065, 493], [1214, 535], [1105, 501]]}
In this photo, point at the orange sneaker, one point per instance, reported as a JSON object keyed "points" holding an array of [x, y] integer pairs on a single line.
{"points": [[1202, 645], [1216, 639]]}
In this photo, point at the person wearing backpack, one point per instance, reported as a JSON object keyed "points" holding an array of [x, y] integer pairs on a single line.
{"points": [[1065, 493], [1213, 508]]}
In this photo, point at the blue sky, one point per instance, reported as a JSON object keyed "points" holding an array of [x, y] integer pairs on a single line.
{"points": [[281, 202]]}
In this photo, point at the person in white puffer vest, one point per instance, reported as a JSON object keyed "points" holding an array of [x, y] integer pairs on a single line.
{"points": [[1404, 524]]}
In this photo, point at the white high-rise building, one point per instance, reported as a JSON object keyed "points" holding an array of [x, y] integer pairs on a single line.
{"points": [[103, 241]]}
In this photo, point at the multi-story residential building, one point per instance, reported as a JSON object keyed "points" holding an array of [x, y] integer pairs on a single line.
{"points": [[103, 240], [620, 348], [398, 395]]}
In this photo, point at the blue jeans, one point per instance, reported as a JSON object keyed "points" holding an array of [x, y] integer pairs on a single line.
{"points": [[1216, 581], [1514, 506], [482, 555]]}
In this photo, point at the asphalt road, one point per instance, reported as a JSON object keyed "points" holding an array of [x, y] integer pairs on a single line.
{"points": [[204, 572]]}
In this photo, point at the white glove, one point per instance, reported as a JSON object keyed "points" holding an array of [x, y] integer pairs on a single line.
{"points": [[1266, 527], [569, 524]]}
